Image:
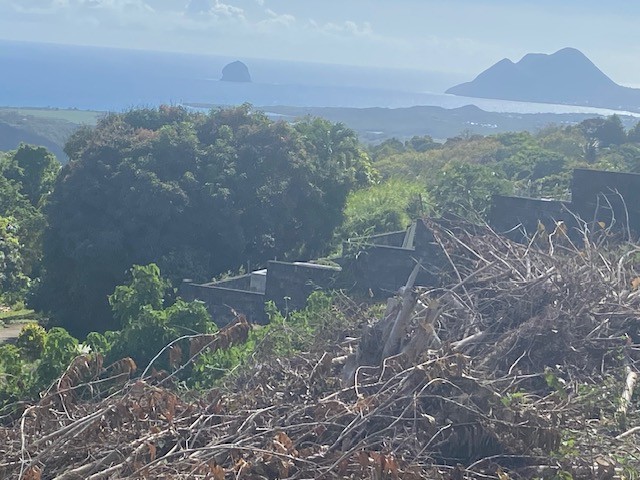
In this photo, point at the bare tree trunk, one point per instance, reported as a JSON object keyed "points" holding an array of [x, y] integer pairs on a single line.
{"points": [[384, 338]]}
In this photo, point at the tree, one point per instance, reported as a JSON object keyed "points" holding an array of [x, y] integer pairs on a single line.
{"points": [[466, 189], [146, 326], [422, 144], [606, 131], [197, 194], [35, 169], [146, 288], [13, 280], [27, 176], [633, 135], [388, 147]]}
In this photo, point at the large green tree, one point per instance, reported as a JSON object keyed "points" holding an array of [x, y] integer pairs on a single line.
{"points": [[197, 194], [27, 176]]}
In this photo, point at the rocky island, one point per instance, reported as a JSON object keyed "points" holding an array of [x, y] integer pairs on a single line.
{"points": [[236, 72]]}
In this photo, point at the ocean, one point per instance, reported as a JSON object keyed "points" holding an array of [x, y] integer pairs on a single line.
{"points": [[105, 79]]}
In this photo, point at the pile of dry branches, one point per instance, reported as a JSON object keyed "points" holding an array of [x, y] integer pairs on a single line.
{"points": [[521, 365]]}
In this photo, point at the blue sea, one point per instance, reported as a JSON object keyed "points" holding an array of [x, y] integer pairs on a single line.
{"points": [[95, 78]]}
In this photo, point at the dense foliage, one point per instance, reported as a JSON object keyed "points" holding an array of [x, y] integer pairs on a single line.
{"points": [[148, 320], [26, 179], [202, 194], [462, 174], [198, 194], [385, 207]]}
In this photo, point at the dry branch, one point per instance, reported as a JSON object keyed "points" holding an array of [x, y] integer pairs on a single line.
{"points": [[476, 378]]}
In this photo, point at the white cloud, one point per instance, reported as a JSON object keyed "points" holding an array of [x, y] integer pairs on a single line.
{"points": [[213, 8], [348, 27], [43, 7], [226, 10], [277, 19]]}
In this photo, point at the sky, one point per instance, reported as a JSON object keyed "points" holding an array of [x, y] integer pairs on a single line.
{"points": [[450, 36]]}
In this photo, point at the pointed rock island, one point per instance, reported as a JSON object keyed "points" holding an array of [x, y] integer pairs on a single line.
{"points": [[236, 72], [566, 77]]}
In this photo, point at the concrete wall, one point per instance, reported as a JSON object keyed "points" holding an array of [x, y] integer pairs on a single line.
{"points": [[518, 217], [605, 196], [382, 265], [391, 239], [382, 270], [290, 284], [241, 282], [221, 302]]}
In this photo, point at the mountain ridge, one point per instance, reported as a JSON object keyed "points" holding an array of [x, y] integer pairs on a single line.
{"points": [[567, 76]]}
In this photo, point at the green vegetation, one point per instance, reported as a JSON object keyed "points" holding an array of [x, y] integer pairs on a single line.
{"points": [[16, 314], [285, 335], [26, 180], [38, 358], [465, 171], [49, 128], [385, 207], [150, 321], [204, 194], [146, 324], [197, 194]]}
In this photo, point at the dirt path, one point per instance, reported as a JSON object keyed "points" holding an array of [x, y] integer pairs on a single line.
{"points": [[10, 332]]}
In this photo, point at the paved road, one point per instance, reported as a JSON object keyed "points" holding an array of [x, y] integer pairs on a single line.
{"points": [[10, 332]]}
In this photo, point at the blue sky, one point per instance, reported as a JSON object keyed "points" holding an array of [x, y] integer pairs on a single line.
{"points": [[462, 37]]}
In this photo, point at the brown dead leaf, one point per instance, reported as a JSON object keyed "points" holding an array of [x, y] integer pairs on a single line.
{"points": [[32, 473], [152, 452], [363, 459], [283, 444], [216, 472], [364, 404]]}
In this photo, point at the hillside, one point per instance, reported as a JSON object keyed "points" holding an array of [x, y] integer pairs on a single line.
{"points": [[377, 124], [49, 128], [566, 76], [518, 371]]}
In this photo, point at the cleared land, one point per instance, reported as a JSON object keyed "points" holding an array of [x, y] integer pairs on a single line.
{"points": [[74, 116]]}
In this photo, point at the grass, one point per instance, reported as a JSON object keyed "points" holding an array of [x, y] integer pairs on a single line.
{"points": [[17, 315], [69, 115]]}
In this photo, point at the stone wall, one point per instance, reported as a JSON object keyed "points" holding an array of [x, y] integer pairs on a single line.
{"points": [[607, 197], [241, 282], [518, 217], [381, 270], [221, 302], [290, 284], [391, 239], [612, 198]]}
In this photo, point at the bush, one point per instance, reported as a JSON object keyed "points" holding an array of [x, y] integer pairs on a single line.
{"points": [[148, 326], [60, 349], [39, 359], [466, 189], [31, 341], [385, 207], [284, 335]]}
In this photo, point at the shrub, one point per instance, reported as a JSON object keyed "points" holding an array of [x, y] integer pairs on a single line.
{"points": [[31, 341]]}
